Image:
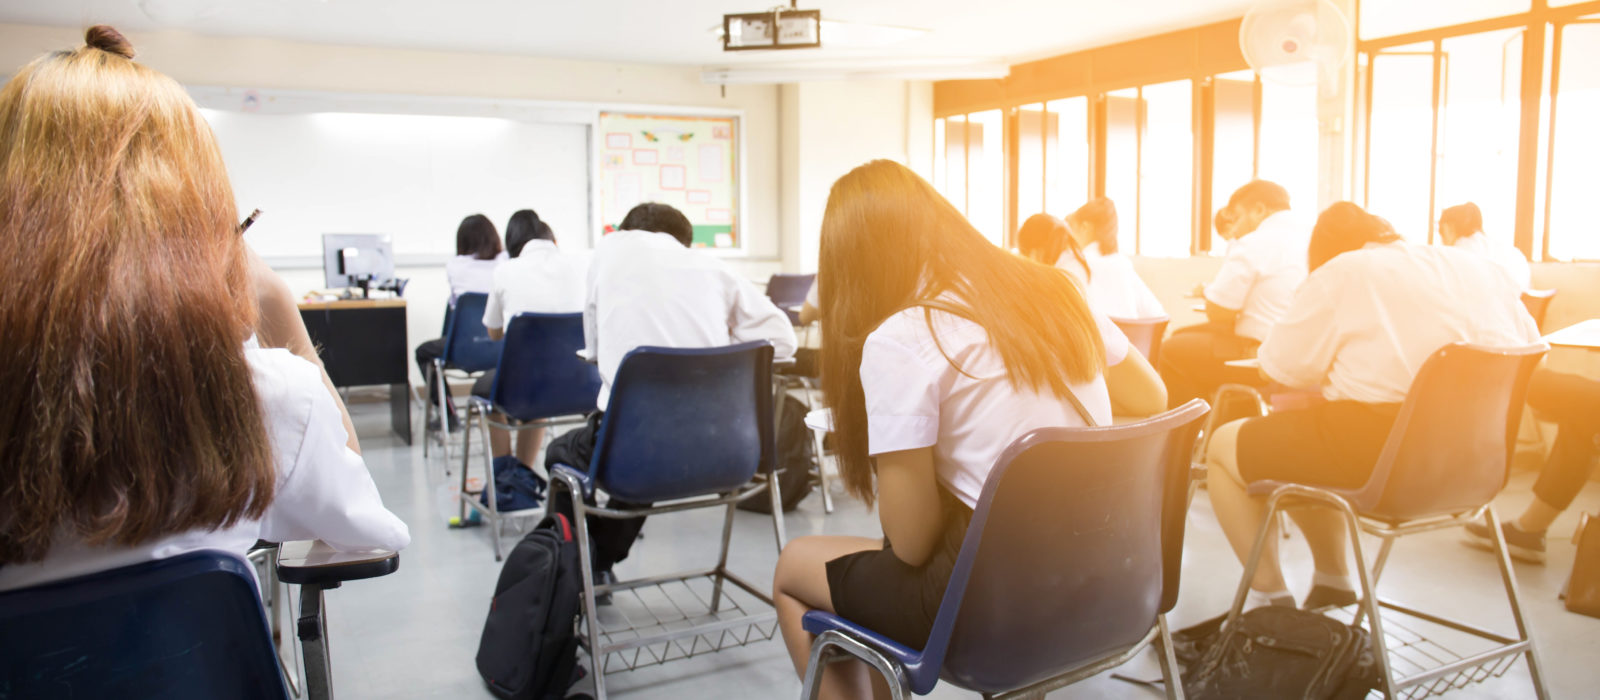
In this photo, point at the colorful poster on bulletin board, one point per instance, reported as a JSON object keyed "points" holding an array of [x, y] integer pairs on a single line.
{"points": [[690, 163]]}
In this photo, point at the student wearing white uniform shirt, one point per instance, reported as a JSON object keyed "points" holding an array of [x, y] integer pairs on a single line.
{"points": [[1373, 309], [539, 278], [1264, 265], [478, 253], [647, 287], [1046, 240], [1461, 226], [1114, 287], [166, 431], [939, 355]]}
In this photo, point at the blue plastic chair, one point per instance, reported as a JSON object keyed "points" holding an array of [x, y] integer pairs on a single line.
{"points": [[468, 352], [539, 382], [683, 429], [1145, 334], [788, 292], [1447, 456], [1068, 568]]}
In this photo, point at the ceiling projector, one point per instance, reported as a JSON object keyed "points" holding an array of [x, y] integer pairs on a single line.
{"points": [[777, 28]]}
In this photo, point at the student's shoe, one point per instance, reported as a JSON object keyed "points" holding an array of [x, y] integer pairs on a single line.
{"points": [[1523, 546], [1329, 597]]}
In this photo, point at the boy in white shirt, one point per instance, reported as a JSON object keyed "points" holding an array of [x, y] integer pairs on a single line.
{"points": [[1265, 263], [539, 278], [1461, 227], [647, 287]]}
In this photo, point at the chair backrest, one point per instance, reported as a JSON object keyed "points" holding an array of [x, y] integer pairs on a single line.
{"points": [[540, 374], [1075, 546], [788, 291], [1450, 448], [189, 627], [467, 345], [1538, 303], [686, 421], [1145, 334]]}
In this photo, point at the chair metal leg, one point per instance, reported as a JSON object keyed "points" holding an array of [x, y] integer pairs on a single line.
{"points": [[313, 631], [1369, 602], [822, 471], [443, 412], [722, 558], [427, 417], [1377, 571], [1508, 577], [777, 510], [591, 619], [824, 651], [1170, 676], [493, 508]]}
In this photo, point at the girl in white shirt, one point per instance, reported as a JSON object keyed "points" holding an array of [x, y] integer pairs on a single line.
{"points": [[941, 350], [1047, 240], [137, 424], [1373, 309], [1114, 287], [478, 253]]}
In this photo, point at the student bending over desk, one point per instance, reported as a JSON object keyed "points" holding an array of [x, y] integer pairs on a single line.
{"points": [[647, 287], [942, 350], [1373, 309], [141, 419]]}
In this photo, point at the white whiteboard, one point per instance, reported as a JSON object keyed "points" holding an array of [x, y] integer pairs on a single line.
{"points": [[412, 176]]}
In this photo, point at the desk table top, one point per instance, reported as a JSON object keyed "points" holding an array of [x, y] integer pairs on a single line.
{"points": [[311, 305]]}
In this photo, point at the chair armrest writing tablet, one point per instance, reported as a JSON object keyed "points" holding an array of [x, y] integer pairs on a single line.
{"points": [[314, 562]]}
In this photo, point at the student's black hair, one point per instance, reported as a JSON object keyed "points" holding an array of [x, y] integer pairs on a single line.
{"points": [[476, 236], [1100, 214], [524, 226], [1464, 219], [660, 218], [1264, 192], [1344, 227]]}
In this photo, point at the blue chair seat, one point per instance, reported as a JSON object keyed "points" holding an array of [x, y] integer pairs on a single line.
{"points": [[818, 622]]}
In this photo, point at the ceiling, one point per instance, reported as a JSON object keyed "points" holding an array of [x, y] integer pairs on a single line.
{"points": [[649, 31]]}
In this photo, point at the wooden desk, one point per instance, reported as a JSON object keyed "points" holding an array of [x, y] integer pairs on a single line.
{"points": [[1584, 335], [362, 342]]}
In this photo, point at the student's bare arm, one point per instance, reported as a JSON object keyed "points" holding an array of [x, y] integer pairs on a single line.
{"points": [[908, 504], [1135, 387], [279, 325]]}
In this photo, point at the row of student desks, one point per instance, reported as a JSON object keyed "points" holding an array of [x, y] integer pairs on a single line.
{"points": [[362, 342]]}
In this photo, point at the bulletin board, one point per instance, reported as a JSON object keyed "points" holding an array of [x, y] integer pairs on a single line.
{"points": [[689, 162]]}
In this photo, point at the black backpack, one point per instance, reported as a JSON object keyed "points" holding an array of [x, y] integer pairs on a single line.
{"points": [[1280, 652], [795, 461], [529, 649]]}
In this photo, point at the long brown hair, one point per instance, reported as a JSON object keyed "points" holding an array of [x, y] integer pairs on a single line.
{"points": [[128, 412], [890, 242], [1044, 239]]}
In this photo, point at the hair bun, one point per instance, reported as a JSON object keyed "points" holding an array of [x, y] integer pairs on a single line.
{"points": [[109, 40]]}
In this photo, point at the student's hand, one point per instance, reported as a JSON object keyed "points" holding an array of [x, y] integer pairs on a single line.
{"points": [[278, 325]]}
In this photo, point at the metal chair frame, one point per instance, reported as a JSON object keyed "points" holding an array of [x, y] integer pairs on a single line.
{"points": [[443, 371]]}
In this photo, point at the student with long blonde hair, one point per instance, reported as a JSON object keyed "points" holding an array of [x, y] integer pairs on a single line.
{"points": [[941, 350], [140, 419]]}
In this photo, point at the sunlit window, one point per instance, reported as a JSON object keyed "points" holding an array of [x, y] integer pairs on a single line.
{"points": [[1574, 208], [1032, 126], [1479, 119], [1166, 171], [1392, 17], [1233, 158], [1401, 134], [1289, 142], [1066, 163]]}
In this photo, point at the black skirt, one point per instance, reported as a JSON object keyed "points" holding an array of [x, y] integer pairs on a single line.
{"points": [[877, 590], [1333, 444]]}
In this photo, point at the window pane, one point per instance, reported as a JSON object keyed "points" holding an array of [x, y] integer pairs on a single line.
{"points": [[986, 175], [1066, 159], [1233, 141], [1289, 141], [1400, 136], [956, 135], [940, 178], [1381, 19], [1574, 205], [1479, 122], [1030, 161], [1166, 192], [1122, 163]]}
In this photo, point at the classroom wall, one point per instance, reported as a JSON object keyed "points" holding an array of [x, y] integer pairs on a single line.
{"points": [[828, 128]]}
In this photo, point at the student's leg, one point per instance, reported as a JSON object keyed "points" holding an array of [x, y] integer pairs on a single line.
{"points": [[528, 443], [1239, 513], [801, 584], [426, 353], [1574, 402], [611, 538], [1184, 359], [499, 440]]}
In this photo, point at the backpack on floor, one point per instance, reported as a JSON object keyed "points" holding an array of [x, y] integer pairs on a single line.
{"points": [[1283, 652], [529, 649], [795, 461]]}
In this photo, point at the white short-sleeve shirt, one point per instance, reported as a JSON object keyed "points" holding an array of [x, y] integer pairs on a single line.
{"points": [[916, 397], [469, 274], [543, 279], [1261, 272], [323, 489], [1115, 288], [1507, 257], [1363, 323]]}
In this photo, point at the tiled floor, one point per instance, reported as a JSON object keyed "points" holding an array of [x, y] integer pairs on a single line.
{"points": [[414, 634]]}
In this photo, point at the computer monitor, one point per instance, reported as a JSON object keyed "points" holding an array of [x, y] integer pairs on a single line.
{"points": [[357, 259]]}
